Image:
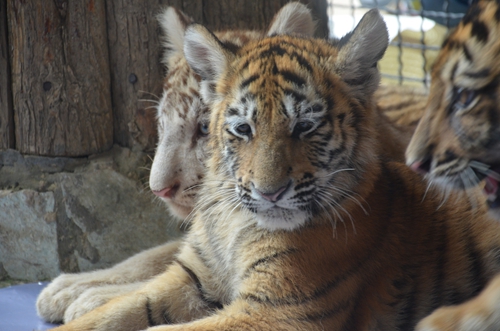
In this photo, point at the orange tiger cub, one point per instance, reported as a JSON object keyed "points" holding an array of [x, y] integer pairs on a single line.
{"points": [[457, 143], [177, 169], [303, 222]]}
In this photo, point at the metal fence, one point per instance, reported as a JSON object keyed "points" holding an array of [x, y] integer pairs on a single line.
{"points": [[416, 29]]}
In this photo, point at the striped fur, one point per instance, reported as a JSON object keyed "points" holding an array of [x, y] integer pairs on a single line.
{"points": [[304, 222], [403, 105], [177, 169], [457, 142]]}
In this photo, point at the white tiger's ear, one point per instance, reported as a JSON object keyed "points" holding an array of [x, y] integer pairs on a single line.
{"points": [[173, 23], [293, 18], [359, 52], [207, 56]]}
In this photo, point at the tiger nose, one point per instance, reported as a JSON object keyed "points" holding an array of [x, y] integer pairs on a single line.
{"points": [[422, 167], [274, 196], [167, 192]]}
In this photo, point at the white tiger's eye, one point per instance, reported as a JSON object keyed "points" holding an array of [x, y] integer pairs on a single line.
{"points": [[203, 129]]}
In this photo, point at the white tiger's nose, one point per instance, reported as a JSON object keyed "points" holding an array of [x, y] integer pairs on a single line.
{"points": [[167, 192]]}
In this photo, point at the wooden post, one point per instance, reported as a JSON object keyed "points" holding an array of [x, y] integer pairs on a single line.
{"points": [[136, 71], [60, 77], [6, 112]]}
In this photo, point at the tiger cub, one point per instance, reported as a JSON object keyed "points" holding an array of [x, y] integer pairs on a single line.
{"points": [[303, 222], [177, 168], [457, 142]]}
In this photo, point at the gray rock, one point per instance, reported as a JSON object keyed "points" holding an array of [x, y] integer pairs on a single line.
{"points": [[28, 239], [70, 215]]}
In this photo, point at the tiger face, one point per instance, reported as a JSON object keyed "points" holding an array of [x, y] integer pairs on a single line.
{"points": [[457, 142], [178, 166], [287, 119]]}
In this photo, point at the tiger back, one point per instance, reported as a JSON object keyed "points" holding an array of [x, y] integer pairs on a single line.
{"points": [[303, 222]]}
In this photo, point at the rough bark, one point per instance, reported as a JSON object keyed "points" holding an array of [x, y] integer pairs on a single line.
{"points": [[134, 46], [6, 112], [136, 73], [60, 77]]}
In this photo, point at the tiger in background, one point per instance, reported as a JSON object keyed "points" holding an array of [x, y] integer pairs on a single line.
{"points": [[303, 222], [177, 168], [457, 143]]}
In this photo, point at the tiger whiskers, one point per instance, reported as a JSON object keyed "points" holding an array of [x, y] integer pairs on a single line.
{"points": [[226, 197], [350, 195], [333, 222], [157, 103], [345, 191], [334, 205], [151, 94], [484, 169], [335, 172], [429, 184]]}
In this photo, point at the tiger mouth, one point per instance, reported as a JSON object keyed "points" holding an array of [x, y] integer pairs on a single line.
{"points": [[491, 185]]}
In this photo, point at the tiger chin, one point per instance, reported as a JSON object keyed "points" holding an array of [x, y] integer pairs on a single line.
{"points": [[177, 170], [457, 142], [294, 124]]}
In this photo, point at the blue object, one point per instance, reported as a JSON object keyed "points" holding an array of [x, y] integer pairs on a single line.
{"points": [[446, 6], [17, 308]]}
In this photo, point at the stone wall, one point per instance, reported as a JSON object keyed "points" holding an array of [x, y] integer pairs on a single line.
{"points": [[70, 215]]}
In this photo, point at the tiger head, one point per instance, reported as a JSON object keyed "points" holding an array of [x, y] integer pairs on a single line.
{"points": [[183, 118], [292, 123], [457, 142]]}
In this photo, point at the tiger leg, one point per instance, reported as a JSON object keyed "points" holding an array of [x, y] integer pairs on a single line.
{"points": [[172, 297], [481, 313], [241, 315], [64, 290]]}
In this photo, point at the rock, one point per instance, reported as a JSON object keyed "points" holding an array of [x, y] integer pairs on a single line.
{"points": [[70, 215], [28, 239]]}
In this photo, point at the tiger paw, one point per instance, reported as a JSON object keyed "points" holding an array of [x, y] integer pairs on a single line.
{"points": [[59, 294], [96, 297], [481, 313]]}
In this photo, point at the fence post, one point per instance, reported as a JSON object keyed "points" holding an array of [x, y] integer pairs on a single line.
{"points": [[60, 77]]}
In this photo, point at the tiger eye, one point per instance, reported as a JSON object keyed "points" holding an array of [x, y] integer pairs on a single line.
{"points": [[244, 129]]}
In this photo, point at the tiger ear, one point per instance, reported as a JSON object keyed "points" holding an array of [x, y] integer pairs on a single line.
{"points": [[208, 58], [173, 24], [359, 52], [293, 18]]}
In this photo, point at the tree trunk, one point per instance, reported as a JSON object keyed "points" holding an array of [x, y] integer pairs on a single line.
{"points": [[6, 112], [60, 77], [134, 46]]}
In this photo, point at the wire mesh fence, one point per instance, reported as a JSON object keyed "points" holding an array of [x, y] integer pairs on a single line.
{"points": [[416, 30]]}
